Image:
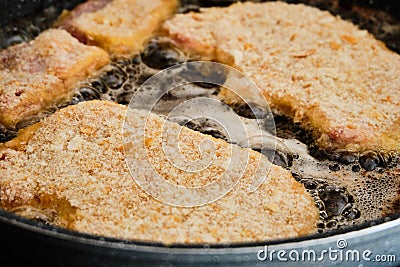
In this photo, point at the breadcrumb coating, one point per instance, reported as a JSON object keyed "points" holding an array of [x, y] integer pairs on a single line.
{"points": [[76, 156]]}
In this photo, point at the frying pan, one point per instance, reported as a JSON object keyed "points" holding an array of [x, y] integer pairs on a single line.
{"points": [[30, 242]]}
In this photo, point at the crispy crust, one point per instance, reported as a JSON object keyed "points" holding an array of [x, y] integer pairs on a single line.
{"points": [[120, 26], [38, 75], [24, 96], [76, 155], [337, 80]]}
